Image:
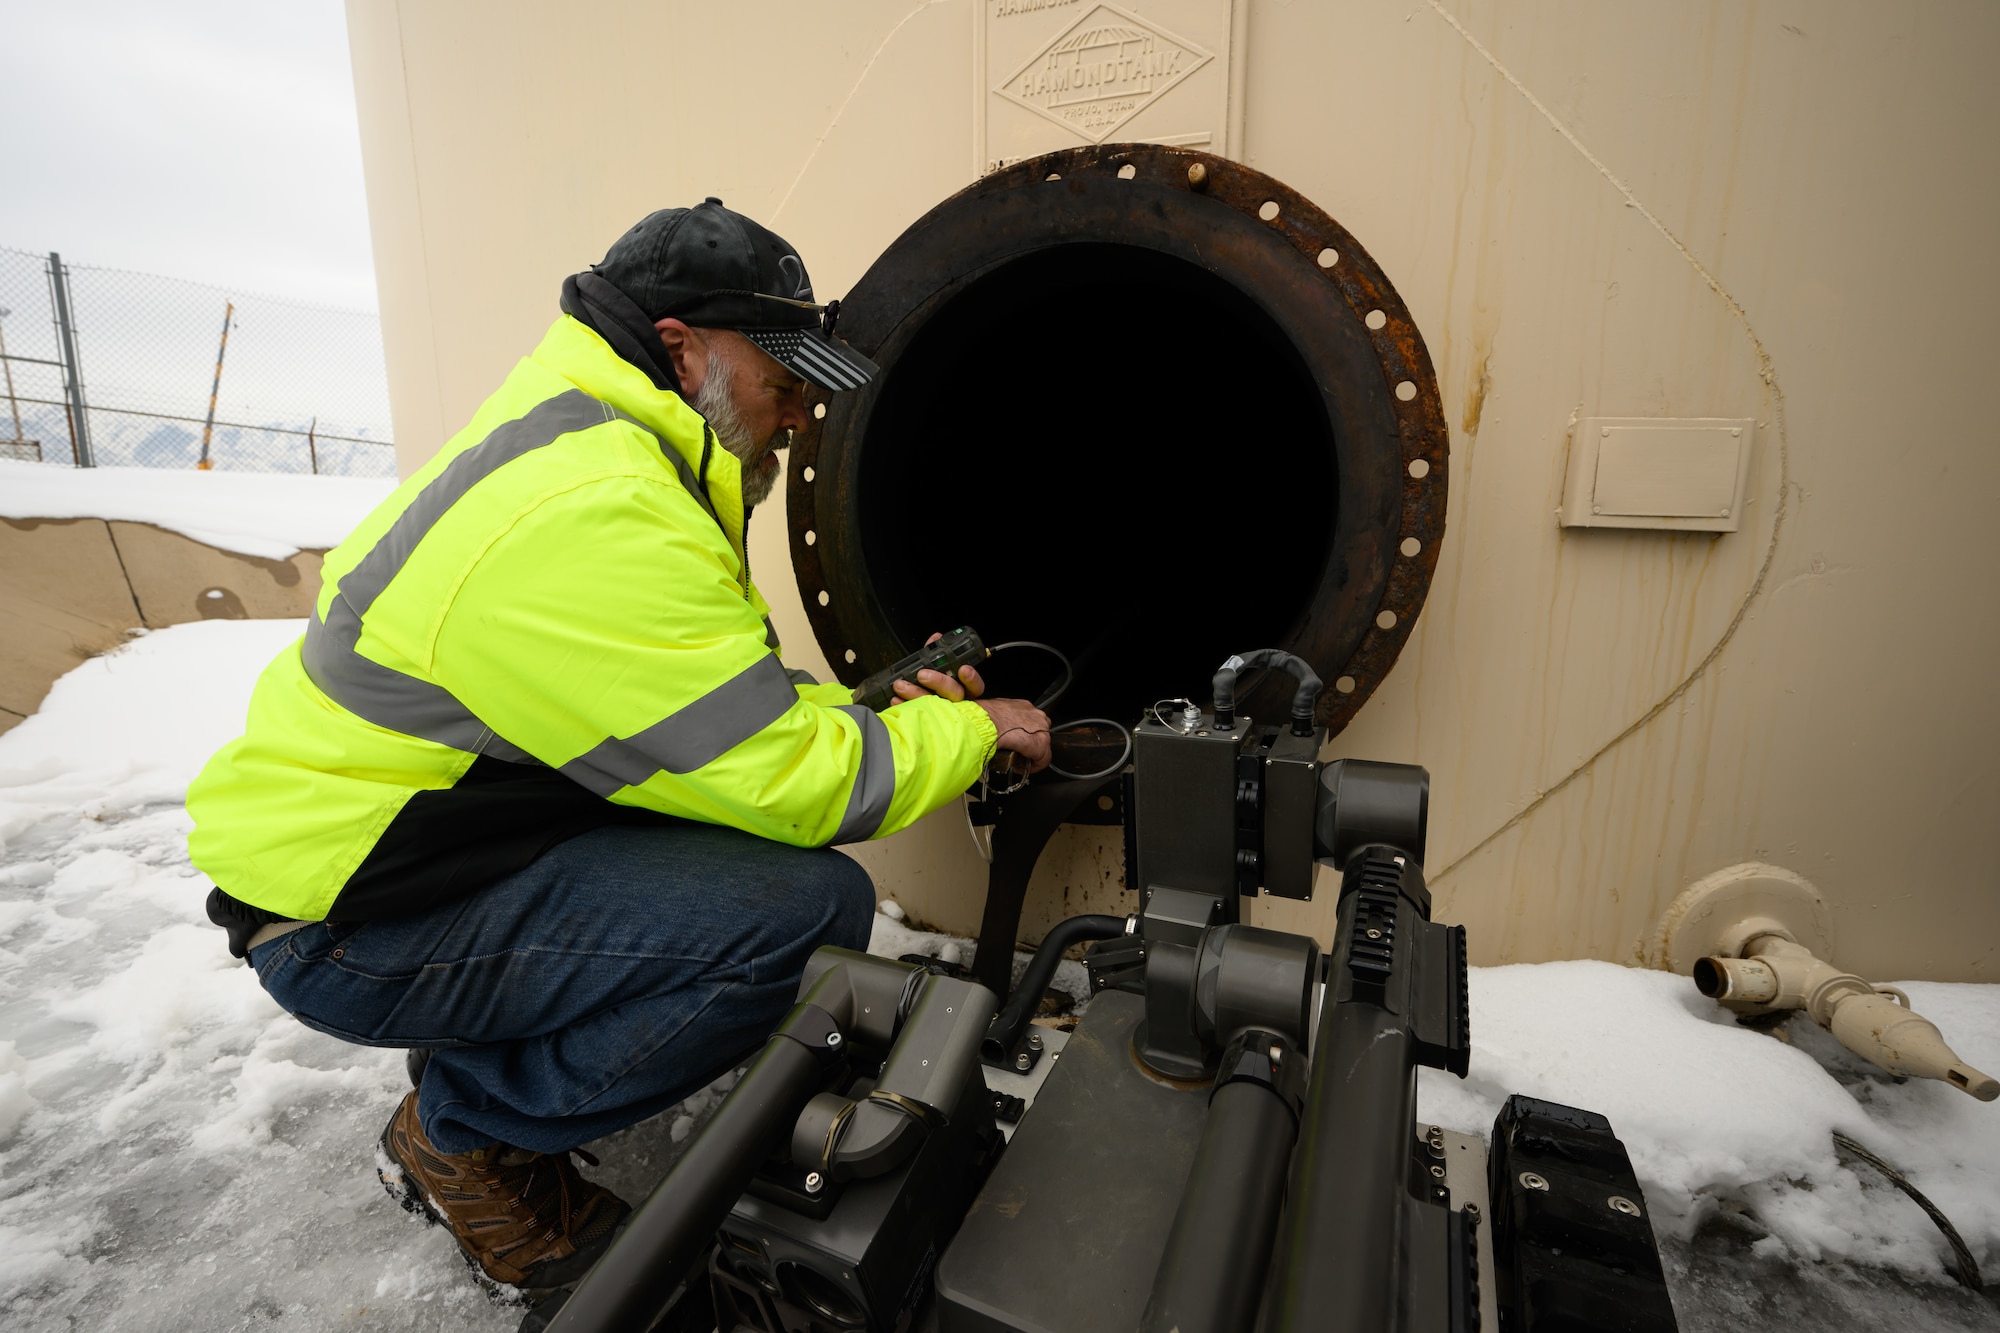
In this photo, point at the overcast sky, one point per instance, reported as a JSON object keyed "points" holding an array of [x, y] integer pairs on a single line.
{"points": [[206, 139]]}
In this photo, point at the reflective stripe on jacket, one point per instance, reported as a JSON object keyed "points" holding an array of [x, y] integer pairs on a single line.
{"points": [[564, 585]]}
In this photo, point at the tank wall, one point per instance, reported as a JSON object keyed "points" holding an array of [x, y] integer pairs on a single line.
{"points": [[1647, 210]]}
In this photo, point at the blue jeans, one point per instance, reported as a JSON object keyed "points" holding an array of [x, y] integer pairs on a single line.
{"points": [[623, 970]]}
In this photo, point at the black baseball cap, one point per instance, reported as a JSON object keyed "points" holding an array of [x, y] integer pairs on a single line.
{"points": [[713, 268]]}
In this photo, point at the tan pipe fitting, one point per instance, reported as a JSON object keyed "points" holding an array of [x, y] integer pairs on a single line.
{"points": [[1777, 973]]}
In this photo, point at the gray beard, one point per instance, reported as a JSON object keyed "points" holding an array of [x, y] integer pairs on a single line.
{"points": [[714, 402]]}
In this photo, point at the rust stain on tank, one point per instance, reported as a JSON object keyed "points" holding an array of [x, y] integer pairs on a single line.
{"points": [[1475, 400]]}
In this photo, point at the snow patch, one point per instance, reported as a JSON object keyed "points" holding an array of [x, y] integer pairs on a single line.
{"points": [[890, 938], [272, 515], [1716, 1114], [15, 1103], [266, 1089], [176, 1152], [130, 729]]}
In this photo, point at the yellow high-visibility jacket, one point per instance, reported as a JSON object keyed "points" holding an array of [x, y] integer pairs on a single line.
{"points": [[550, 627]]}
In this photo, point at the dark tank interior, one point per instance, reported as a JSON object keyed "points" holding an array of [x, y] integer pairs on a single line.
{"points": [[1107, 449]]}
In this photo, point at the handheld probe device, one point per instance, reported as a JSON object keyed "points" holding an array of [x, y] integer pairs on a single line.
{"points": [[963, 647], [947, 653]]}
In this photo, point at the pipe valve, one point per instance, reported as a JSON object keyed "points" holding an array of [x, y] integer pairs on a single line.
{"points": [[1755, 939], [1877, 1023]]}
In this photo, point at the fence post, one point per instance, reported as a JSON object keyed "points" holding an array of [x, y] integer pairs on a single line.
{"points": [[312, 444], [13, 403], [79, 409], [222, 349]]}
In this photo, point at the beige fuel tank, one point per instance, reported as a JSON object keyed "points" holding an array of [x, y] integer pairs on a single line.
{"points": [[1707, 294]]}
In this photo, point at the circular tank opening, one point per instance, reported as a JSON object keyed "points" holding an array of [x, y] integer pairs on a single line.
{"points": [[1126, 410], [1108, 449]]}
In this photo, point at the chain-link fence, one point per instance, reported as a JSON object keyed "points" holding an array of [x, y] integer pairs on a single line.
{"points": [[108, 368]]}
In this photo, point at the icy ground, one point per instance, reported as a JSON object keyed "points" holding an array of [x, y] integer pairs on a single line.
{"points": [[267, 514], [176, 1153]]}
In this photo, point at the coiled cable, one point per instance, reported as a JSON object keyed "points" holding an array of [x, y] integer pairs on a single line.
{"points": [[1108, 770], [1055, 692]]}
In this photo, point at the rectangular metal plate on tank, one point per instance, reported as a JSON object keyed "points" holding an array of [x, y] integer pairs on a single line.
{"points": [[1678, 474], [1026, 1086], [1053, 75], [1090, 1184]]}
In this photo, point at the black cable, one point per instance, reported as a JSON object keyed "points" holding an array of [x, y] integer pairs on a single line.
{"points": [[1055, 691], [1303, 701], [1968, 1268]]}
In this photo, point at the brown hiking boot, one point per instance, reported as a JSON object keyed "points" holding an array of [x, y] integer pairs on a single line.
{"points": [[523, 1218]]}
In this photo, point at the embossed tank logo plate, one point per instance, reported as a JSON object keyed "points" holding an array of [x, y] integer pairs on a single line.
{"points": [[1102, 70]]}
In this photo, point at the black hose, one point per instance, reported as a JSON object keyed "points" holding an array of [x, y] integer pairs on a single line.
{"points": [[1004, 1033], [1308, 694], [1061, 684]]}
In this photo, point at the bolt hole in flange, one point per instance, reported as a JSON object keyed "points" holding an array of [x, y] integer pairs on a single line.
{"points": [[1158, 428]]}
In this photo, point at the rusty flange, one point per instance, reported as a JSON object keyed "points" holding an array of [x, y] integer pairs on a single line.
{"points": [[1393, 474]]}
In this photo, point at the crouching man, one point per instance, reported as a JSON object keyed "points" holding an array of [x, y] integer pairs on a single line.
{"points": [[535, 791]]}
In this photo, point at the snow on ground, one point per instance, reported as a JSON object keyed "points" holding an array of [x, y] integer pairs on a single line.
{"points": [[176, 1153], [272, 515], [1720, 1118]]}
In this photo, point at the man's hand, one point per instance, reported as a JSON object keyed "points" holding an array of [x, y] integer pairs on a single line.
{"points": [[967, 686], [929, 682], [1023, 728]]}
